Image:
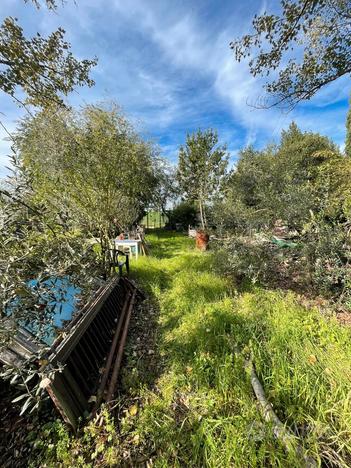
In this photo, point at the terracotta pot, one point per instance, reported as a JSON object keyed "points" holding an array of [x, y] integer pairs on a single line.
{"points": [[202, 240]]}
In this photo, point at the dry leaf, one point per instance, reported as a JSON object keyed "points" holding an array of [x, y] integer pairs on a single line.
{"points": [[133, 410], [312, 359]]}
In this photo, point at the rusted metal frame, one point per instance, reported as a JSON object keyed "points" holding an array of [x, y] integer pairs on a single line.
{"points": [[67, 390], [109, 317], [102, 329], [95, 299], [65, 348], [110, 304], [100, 333], [95, 344], [113, 312], [88, 364], [116, 295], [112, 352], [21, 346], [71, 363], [67, 404], [89, 351], [119, 298], [132, 286], [109, 314], [75, 355], [119, 355], [91, 336], [64, 409], [81, 400]]}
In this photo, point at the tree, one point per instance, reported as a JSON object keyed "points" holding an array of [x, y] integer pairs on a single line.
{"points": [[44, 69], [304, 175], [348, 135], [90, 168], [310, 40], [202, 164], [167, 190], [184, 213], [38, 245]]}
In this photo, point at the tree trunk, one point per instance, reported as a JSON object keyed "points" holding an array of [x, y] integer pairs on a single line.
{"points": [[203, 225]]}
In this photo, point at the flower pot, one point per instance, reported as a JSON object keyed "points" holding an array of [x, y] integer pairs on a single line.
{"points": [[202, 239]]}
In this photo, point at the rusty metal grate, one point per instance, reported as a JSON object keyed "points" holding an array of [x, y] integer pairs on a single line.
{"points": [[91, 352]]}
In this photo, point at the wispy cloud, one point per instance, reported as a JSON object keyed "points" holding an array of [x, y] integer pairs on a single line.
{"points": [[169, 65]]}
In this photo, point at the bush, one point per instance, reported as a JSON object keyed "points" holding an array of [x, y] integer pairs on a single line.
{"points": [[326, 249], [184, 213], [256, 259]]}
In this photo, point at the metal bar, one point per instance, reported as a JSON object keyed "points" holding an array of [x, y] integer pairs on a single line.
{"points": [[111, 353], [76, 392], [89, 352], [65, 348], [118, 361], [75, 371], [76, 355], [102, 328], [94, 344]]}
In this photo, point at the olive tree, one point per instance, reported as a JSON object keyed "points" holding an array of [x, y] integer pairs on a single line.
{"points": [[43, 69], [202, 165], [90, 167], [308, 43]]}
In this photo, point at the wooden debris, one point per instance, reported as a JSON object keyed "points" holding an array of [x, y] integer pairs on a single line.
{"points": [[280, 431]]}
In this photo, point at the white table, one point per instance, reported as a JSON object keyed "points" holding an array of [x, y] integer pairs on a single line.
{"points": [[128, 243]]}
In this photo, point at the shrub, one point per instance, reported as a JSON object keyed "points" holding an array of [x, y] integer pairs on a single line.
{"points": [[184, 213]]}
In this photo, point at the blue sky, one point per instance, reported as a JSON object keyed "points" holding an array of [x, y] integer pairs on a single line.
{"points": [[169, 65]]}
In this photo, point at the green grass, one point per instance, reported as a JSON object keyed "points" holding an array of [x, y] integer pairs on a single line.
{"points": [[154, 220], [200, 410], [204, 412]]}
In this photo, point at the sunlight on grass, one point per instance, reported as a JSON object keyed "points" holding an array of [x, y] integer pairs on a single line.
{"points": [[199, 408], [204, 411]]}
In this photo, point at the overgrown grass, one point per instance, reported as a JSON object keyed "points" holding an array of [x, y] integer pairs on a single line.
{"points": [[202, 411]]}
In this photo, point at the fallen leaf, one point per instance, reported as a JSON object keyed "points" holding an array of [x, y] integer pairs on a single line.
{"points": [[133, 410], [312, 359]]}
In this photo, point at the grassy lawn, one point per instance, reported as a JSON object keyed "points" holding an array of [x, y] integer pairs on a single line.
{"points": [[198, 408], [154, 220], [203, 411]]}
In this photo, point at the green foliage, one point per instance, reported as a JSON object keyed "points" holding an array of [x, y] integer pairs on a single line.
{"points": [[286, 182], [78, 180], [154, 220], [204, 412], [184, 213], [316, 31], [201, 167], [97, 446], [303, 186], [43, 68], [201, 411], [327, 251], [89, 168]]}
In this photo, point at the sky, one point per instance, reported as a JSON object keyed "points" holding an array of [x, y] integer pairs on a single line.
{"points": [[168, 64]]}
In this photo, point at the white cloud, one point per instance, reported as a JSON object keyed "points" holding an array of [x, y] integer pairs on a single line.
{"points": [[170, 66]]}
